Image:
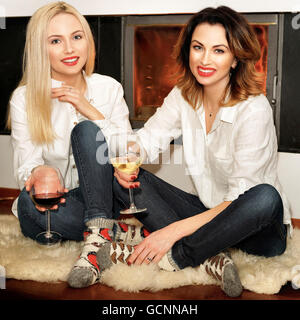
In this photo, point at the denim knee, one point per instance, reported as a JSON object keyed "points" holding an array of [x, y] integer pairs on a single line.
{"points": [[87, 138], [268, 200], [269, 197], [85, 126]]}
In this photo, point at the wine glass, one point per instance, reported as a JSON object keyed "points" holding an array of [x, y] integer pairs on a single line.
{"points": [[47, 190], [126, 154]]}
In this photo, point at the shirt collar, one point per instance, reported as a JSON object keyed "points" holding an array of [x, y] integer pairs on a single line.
{"points": [[228, 114], [225, 114]]}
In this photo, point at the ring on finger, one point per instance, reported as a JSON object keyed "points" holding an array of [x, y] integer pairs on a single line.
{"points": [[149, 259]]}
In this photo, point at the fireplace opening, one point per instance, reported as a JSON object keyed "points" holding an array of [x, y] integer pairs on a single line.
{"points": [[153, 47]]}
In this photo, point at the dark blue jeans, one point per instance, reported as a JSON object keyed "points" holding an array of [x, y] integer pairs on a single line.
{"points": [[252, 223], [94, 197]]}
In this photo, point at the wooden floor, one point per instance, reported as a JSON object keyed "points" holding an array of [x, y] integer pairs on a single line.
{"points": [[31, 290]]}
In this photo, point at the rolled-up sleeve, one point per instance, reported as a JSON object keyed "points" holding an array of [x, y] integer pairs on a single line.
{"points": [[254, 153], [115, 112], [163, 127]]}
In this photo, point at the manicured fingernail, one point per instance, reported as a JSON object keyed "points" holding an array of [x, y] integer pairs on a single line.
{"points": [[132, 178], [129, 263], [131, 186]]}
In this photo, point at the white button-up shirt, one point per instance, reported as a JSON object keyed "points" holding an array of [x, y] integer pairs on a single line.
{"points": [[239, 152], [103, 92]]}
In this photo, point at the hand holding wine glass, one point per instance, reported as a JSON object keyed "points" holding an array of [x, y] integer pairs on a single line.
{"points": [[47, 189], [126, 155]]}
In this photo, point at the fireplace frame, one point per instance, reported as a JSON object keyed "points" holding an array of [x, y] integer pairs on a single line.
{"points": [[273, 81]]}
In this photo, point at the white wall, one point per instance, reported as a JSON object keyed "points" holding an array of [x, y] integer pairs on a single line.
{"points": [[127, 7], [288, 171], [6, 164]]}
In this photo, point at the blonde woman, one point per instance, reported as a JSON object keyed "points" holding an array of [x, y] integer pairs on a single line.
{"points": [[59, 106], [230, 151]]}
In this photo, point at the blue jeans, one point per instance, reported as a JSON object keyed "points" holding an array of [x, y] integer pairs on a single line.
{"points": [[252, 223], [92, 199]]}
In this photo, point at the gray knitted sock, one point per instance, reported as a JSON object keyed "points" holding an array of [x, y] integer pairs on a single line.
{"points": [[86, 270]]}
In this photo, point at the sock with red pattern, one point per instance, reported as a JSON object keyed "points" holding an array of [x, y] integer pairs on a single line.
{"points": [[130, 234], [86, 270]]}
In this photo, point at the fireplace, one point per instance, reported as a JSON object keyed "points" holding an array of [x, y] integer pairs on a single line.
{"points": [[116, 46], [150, 70]]}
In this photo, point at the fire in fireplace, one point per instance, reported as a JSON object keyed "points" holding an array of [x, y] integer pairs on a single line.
{"points": [[153, 47]]}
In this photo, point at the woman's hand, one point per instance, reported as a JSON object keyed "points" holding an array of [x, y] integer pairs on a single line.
{"points": [[67, 93], [127, 180], [156, 245], [34, 182]]}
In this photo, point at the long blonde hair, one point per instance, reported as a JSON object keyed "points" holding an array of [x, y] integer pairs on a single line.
{"points": [[37, 69]]}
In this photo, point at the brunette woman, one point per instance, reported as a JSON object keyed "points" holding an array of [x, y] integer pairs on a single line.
{"points": [[230, 151]]}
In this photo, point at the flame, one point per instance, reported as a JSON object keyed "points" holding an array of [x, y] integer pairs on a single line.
{"points": [[262, 64]]}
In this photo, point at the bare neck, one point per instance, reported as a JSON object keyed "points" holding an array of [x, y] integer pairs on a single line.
{"points": [[76, 82]]}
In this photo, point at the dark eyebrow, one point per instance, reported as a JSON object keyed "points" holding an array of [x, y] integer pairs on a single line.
{"points": [[215, 46], [58, 35]]}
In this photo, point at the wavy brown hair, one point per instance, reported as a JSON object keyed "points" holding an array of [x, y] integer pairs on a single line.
{"points": [[243, 43]]}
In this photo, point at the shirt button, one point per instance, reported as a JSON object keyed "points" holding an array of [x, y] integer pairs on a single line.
{"points": [[74, 166], [75, 123]]}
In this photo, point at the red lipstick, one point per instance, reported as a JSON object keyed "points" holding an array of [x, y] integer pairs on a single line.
{"points": [[205, 72], [70, 61]]}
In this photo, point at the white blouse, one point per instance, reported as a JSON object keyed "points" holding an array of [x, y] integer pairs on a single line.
{"points": [[239, 152], [103, 92]]}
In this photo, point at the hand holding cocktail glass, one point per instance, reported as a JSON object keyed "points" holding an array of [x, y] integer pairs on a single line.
{"points": [[126, 155]]}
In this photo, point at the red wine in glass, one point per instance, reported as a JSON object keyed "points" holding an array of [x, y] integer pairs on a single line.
{"points": [[47, 200], [46, 192]]}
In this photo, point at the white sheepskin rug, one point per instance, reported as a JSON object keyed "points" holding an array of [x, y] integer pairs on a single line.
{"points": [[24, 259]]}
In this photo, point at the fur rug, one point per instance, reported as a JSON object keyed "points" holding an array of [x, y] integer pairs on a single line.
{"points": [[24, 259]]}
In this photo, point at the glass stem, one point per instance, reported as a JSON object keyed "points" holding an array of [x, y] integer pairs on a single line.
{"points": [[132, 205], [48, 233]]}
